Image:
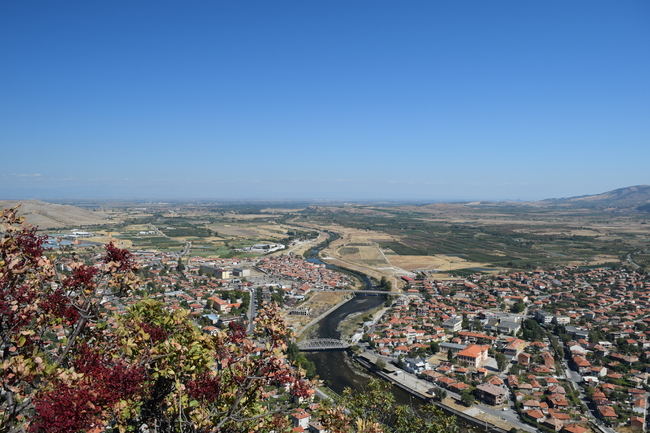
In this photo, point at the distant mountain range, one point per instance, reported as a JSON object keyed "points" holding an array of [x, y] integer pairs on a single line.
{"points": [[51, 215], [632, 196]]}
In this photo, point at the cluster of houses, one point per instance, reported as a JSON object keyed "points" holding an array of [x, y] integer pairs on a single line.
{"points": [[310, 275], [602, 317], [198, 289], [471, 322]]}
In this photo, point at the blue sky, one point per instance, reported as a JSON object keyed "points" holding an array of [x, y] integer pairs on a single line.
{"points": [[362, 100]]}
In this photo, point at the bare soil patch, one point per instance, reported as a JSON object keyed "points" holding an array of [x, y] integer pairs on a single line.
{"points": [[122, 243], [482, 416]]}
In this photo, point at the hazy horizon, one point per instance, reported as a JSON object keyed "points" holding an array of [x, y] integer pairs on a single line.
{"points": [[424, 101], [236, 199]]}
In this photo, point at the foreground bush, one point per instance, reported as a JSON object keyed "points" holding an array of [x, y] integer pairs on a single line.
{"points": [[149, 369]]}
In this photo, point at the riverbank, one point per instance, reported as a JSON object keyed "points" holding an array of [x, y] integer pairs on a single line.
{"points": [[355, 321], [317, 303], [305, 333]]}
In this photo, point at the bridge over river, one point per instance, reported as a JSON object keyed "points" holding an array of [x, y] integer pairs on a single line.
{"points": [[323, 344]]}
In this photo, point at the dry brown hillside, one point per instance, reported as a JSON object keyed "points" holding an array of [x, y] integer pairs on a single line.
{"points": [[51, 215]]}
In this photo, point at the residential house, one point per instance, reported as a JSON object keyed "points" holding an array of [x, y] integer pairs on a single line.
{"points": [[491, 394], [415, 365], [474, 355], [301, 419], [513, 347], [453, 324]]}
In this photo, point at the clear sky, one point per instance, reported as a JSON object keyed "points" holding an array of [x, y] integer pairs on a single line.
{"points": [[236, 99]]}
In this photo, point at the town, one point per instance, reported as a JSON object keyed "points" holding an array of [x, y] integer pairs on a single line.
{"points": [[563, 349]]}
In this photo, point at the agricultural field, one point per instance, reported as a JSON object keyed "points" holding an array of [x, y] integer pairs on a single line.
{"points": [[395, 240], [454, 237]]}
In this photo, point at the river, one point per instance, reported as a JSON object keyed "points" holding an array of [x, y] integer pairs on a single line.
{"points": [[336, 367]]}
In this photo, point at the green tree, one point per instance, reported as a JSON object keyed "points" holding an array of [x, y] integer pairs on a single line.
{"points": [[518, 307], [531, 331], [385, 284], [380, 364], [467, 398], [374, 411], [465, 322], [502, 361]]}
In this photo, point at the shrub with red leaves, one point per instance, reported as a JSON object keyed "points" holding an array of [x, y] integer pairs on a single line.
{"points": [[113, 379], [237, 332], [122, 257], [83, 277], [206, 388], [77, 407], [58, 304], [157, 333], [65, 409]]}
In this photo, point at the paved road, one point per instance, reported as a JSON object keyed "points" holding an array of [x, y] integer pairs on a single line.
{"points": [[509, 415], [631, 262], [576, 380], [252, 312], [188, 244]]}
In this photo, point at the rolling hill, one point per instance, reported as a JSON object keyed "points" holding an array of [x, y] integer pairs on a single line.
{"points": [[51, 215], [623, 197]]}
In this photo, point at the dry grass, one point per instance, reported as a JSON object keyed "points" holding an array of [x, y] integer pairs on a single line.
{"points": [[233, 230], [104, 237], [51, 215], [320, 302], [438, 261], [356, 236], [367, 254], [273, 211]]}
